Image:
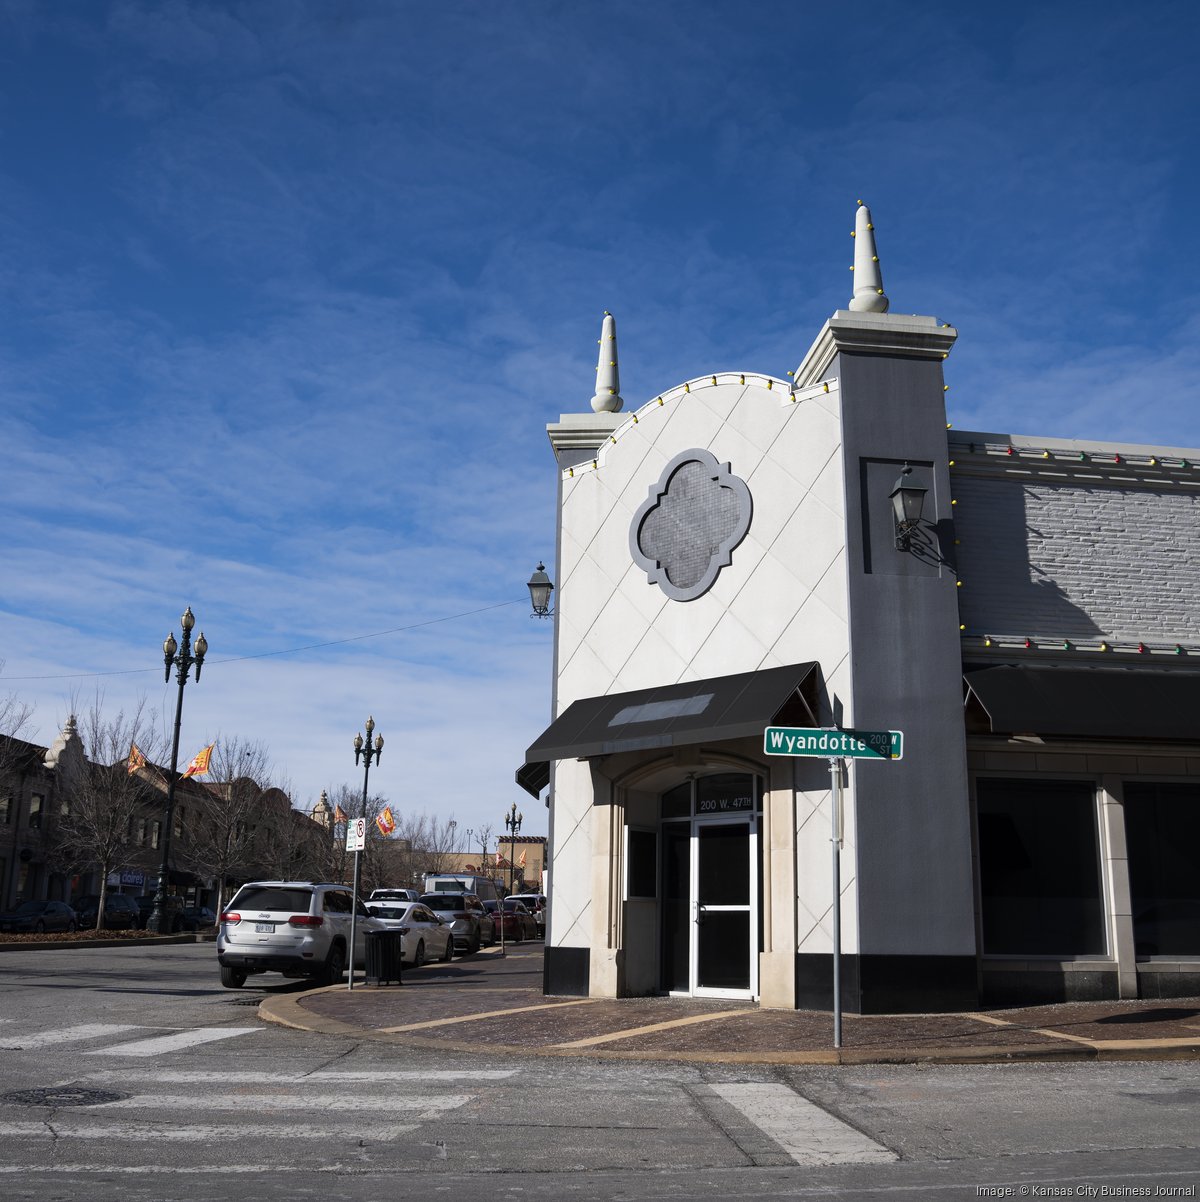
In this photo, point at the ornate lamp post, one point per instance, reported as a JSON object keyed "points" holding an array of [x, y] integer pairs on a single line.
{"points": [[368, 751], [512, 824], [182, 662]]}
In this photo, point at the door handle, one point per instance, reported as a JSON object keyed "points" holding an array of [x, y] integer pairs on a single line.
{"points": [[701, 910]]}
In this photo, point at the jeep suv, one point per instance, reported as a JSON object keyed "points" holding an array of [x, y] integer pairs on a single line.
{"points": [[297, 928]]}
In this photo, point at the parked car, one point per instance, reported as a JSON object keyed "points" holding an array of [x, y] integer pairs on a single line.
{"points": [[535, 903], [465, 914], [482, 887], [516, 920], [411, 895], [297, 928], [39, 916], [172, 907], [423, 935], [120, 911], [197, 918]]}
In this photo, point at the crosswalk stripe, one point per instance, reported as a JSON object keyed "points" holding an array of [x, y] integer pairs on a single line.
{"points": [[808, 1134], [200, 1132], [172, 1043], [269, 1102], [77, 1034], [381, 1077]]}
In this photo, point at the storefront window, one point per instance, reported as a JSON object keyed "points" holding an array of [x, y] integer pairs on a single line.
{"points": [[1039, 868], [1162, 829]]}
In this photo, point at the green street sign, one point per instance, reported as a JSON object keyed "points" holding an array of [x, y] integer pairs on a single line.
{"points": [[815, 741]]}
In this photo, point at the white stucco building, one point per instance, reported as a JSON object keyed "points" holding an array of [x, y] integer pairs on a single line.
{"points": [[729, 558]]}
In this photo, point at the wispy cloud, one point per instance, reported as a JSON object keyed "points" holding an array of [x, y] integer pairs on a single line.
{"points": [[287, 295]]}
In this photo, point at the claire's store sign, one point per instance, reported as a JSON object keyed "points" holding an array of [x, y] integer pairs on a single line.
{"points": [[852, 744]]}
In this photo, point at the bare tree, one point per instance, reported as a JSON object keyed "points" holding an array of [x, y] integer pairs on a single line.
{"points": [[103, 798], [219, 832], [441, 843], [15, 716], [289, 845]]}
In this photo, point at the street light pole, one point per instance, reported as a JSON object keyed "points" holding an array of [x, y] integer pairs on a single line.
{"points": [[512, 823], [368, 751], [182, 662]]}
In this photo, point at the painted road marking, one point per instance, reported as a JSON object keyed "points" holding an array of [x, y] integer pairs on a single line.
{"points": [[268, 1102], [197, 1133], [808, 1134], [383, 1077], [68, 1035], [161, 1044]]}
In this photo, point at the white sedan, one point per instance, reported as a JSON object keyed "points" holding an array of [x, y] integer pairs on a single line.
{"points": [[423, 935]]}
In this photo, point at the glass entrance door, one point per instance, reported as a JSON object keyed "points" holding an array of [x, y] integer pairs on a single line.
{"points": [[709, 886], [723, 892]]}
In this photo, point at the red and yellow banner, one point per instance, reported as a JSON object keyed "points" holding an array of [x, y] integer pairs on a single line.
{"points": [[136, 759], [200, 762], [340, 815], [386, 822]]}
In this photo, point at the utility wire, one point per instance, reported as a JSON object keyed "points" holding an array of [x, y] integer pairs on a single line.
{"points": [[239, 659]]}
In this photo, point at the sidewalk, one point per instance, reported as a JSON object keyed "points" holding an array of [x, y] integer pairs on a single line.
{"points": [[493, 1004]]}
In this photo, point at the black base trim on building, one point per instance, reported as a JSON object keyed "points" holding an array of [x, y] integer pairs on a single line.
{"points": [[1041, 986], [888, 984], [566, 971]]}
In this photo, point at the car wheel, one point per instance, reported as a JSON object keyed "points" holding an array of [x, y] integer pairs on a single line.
{"points": [[335, 965], [39, 927], [232, 978], [449, 953], [71, 927], [419, 954]]}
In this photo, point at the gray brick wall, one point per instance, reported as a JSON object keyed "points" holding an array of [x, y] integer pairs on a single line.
{"points": [[1077, 561]]}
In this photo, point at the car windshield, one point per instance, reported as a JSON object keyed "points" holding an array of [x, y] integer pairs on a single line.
{"points": [[31, 907], [444, 901], [273, 897]]}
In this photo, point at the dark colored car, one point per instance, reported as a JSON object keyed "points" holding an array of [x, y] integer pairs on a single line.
{"points": [[517, 922], [174, 909], [120, 911], [535, 903], [39, 916], [197, 918], [464, 913]]}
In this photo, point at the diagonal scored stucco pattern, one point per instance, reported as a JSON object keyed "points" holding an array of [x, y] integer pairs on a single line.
{"points": [[781, 599]]}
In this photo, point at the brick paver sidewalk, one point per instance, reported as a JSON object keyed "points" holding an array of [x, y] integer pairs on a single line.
{"points": [[491, 1003]]}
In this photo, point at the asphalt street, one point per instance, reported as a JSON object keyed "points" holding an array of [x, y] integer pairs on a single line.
{"points": [[130, 1073]]}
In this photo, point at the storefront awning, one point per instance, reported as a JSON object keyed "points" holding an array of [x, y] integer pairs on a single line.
{"points": [[1129, 703], [677, 715]]}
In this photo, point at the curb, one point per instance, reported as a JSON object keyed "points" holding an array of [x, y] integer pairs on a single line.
{"points": [[77, 944], [287, 1011]]}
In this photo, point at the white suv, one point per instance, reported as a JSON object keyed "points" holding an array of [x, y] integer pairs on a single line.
{"points": [[298, 928]]}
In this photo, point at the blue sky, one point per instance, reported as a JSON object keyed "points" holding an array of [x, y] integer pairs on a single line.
{"points": [[289, 292]]}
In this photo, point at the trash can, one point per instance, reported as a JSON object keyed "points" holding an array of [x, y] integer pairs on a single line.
{"points": [[384, 955]]}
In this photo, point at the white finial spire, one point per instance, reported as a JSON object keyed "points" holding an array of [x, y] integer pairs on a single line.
{"points": [[608, 381], [869, 296]]}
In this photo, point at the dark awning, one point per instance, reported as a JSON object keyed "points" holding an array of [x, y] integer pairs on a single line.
{"points": [[677, 715], [1130, 703]]}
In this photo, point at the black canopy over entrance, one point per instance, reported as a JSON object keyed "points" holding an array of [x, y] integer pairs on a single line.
{"points": [[677, 715]]}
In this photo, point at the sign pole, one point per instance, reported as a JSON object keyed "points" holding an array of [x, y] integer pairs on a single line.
{"points": [[835, 807]]}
